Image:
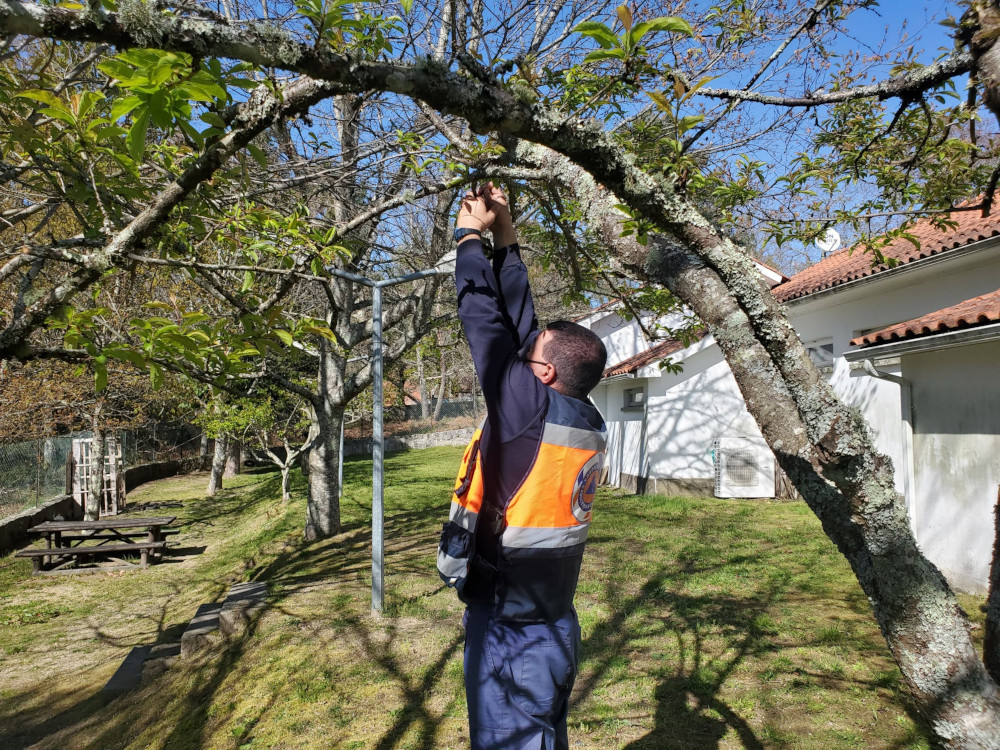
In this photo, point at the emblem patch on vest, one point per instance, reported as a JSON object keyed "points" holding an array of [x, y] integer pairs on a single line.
{"points": [[585, 488]]}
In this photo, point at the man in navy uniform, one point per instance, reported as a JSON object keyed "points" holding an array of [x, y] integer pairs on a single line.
{"points": [[522, 504]]}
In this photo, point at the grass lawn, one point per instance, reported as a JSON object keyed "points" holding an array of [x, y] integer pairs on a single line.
{"points": [[706, 623]]}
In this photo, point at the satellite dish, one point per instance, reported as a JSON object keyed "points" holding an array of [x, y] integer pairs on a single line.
{"points": [[830, 242]]}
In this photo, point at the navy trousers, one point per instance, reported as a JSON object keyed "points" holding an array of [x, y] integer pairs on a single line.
{"points": [[518, 678]]}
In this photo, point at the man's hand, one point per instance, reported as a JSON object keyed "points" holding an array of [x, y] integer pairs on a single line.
{"points": [[474, 213], [503, 225]]}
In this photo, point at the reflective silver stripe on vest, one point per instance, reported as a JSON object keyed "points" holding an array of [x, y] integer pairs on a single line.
{"points": [[463, 517], [530, 537], [573, 437], [452, 567]]}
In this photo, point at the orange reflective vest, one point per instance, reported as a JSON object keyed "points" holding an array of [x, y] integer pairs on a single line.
{"points": [[545, 521]]}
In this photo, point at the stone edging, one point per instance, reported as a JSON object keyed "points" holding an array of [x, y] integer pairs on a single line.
{"points": [[411, 442]]}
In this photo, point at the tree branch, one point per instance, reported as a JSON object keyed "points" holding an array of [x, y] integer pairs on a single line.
{"points": [[255, 116], [907, 85]]}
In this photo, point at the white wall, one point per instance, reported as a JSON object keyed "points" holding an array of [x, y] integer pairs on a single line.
{"points": [[895, 298], [622, 338], [685, 414], [956, 404], [688, 411], [625, 435]]}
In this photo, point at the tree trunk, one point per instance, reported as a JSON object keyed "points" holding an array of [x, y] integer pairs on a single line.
{"points": [[441, 390], [95, 495], [425, 410], [218, 466], [203, 445], [234, 458], [323, 504], [286, 481], [991, 636]]}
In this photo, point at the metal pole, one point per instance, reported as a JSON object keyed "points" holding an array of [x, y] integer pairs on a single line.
{"points": [[378, 470], [340, 465], [378, 473]]}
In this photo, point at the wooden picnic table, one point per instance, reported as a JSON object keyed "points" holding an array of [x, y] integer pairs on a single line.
{"points": [[68, 541]]}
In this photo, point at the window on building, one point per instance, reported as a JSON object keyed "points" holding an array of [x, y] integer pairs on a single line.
{"points": [[821, 353], [635, 398]]}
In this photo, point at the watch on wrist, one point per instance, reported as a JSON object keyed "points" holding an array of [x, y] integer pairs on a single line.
{"points": [[463, 232]]}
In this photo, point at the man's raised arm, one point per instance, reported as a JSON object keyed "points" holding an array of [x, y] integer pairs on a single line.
{"points": [[492, 340], [496, 310], [509, 269]]}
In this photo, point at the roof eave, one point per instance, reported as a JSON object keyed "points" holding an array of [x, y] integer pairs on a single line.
{"points": [[927, 343], [913, 265]]}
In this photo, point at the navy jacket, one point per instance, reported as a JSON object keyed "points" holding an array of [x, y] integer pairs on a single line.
{"points": [[498, 316]]}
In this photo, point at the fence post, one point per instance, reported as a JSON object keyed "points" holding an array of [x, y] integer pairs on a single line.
{"points": [[38, 471]]}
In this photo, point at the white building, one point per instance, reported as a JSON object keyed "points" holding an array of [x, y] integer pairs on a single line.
{"points": [[915, 347]]}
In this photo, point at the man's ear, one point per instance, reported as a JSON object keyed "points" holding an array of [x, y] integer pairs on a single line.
{"points": [[548, 374]]}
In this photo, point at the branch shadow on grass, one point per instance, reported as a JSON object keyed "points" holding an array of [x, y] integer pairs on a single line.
{"points": [[687, 705], [689, 713]]}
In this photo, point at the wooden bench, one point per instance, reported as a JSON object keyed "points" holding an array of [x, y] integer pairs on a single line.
{"points": [[66, 542], [85, 537], [38, 555]]}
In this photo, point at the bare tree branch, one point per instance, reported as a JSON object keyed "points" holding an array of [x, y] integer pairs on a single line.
{"points": [[909, 84]]}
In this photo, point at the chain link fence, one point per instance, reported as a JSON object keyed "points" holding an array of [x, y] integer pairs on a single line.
{"points": [[454, 407], [34, 471], [159, 442]]}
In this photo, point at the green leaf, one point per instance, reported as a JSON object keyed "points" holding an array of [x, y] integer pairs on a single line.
{"points": [[61, 114], [41, 96], [161, 73], [100, 376], [201, 92], [155, 375], [197, 137], [284, 336], [663, 23], [135, 141], [248, 279], [259, 156], [599, 33], [158, 110], [625, 16], [605, 54], [123, 106], [116, 69], [193, 318], [87, 101], [211, 118], [127, 355], [660, 101], [686, 123], [407, 6], [697, 86]]}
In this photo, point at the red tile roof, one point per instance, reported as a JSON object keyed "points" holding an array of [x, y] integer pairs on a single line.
{"points": [[845, 266], [973, 312], [654, 354]]}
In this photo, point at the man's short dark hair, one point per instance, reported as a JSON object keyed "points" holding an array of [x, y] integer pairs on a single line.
{"points": [[578, 355]]}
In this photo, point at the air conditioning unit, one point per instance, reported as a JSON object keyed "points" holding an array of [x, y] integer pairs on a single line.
{"points": [[744, 467]]}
